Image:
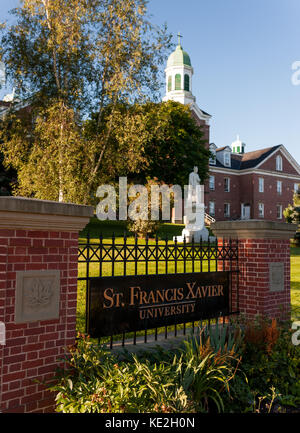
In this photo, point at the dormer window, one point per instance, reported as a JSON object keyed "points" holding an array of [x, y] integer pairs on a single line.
{"points": [[212, 159], [227, 159], [212, 149], [278, 163]]}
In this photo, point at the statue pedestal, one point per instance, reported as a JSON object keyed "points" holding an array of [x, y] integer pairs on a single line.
{"points": [[195, 233]]}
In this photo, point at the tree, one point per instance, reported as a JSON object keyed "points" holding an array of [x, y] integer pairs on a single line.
{"points": [[174, 143], [292, 212], [74, 57], [152, 140], [292, 215]]}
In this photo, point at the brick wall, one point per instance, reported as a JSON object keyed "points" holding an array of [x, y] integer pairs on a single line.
{"points": [[245, 189], [255, 296], [36, 237], [260, 244], [270, 164], [32, 349]]}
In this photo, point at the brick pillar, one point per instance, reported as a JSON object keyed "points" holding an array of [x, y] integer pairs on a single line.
{"points": [[38, 295], [264, 264]]}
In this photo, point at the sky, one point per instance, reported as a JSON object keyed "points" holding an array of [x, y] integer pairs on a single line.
{"points": [[242, 52]]}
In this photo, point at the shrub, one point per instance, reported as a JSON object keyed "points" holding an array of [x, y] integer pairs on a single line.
{"points": [[95, 381], [206, 374], [271, 360], [261, 334]]}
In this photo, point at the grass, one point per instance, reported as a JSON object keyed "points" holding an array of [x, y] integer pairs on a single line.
{"points": [[295, 283], [118, 228]]}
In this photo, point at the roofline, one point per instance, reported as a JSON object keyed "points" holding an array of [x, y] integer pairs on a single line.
{"points": [[288, 156], [200, 113], [220, 149], [253, 170]]}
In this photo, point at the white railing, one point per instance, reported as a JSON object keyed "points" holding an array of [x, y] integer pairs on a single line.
{"points": [[209, 219]]}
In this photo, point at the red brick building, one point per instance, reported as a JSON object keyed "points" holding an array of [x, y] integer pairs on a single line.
{"points": [[252, 185]]}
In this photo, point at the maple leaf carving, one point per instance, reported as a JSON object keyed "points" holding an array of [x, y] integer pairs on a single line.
{"points": [[39, 294]]}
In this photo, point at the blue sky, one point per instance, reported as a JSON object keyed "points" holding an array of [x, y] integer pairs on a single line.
{"points": [[242, 53]]}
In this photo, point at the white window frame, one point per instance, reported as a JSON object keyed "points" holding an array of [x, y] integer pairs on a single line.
{"points": [[227, 214], [212, 182], [279, 206], [296, 187], [261, 210], [228, 184], [212, 208], [279, 187], [261, 184], [278, 163], [227, 161], [212, 159]]}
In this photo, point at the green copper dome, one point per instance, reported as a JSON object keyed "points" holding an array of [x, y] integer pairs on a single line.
{"points": [[179, 58]]}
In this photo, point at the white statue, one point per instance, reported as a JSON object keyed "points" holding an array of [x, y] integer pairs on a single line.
{"points": [[194, 186], [194, 211]]}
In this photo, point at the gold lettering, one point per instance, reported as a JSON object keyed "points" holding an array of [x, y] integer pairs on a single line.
{"points": [[190, 287], [167, 311], [221, 291], [109, 298], [167, 297], [133, 294], [204, 290], [151, 298], [180, 294], [161, 311], [142, 314], [198, 293], [173, 311], [118, 296], [150, 313], [179, 309], [143, 299], [159, 295]]}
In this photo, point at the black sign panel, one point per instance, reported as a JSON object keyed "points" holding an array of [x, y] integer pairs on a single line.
{"points": [[134, 303]]}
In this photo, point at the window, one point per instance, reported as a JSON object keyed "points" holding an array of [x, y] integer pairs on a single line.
{"points": [[212, 183], [261, 182], [186, 82], [238, 149], [226, 210], [261, 210], [212, 208], [279, 187], [296, 187], [279, 211], [212, 159], [212, 149], [227, 159], [169, 84], [278, 163], [226, 184], [177, 82]]}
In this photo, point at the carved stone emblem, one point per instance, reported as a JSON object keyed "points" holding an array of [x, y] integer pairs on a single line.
{"points": [[37, 296], [40, 293]]}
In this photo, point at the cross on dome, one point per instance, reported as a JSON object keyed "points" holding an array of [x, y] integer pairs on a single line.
{"points": [[179, 37]]}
